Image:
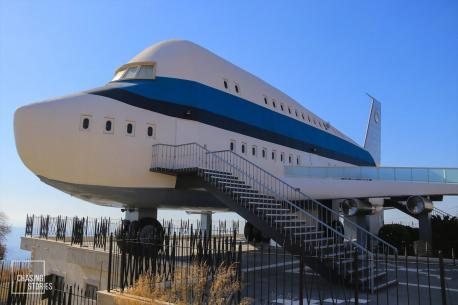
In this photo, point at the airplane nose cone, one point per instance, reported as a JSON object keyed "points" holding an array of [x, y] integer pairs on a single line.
{"points": [[32, 127]]}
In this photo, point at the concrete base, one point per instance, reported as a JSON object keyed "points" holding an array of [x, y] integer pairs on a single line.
{"points": [[77, 265], [137, 214]]}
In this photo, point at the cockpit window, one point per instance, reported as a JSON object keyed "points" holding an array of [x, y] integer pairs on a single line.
{"points": [[119, 74], [145, 72], [131, 72], [135, 72]]}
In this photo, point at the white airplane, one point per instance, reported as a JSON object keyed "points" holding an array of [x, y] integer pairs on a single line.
{"points": [[97, 145]]}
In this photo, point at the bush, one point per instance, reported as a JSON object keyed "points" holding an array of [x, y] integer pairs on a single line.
{"points": [[399, 236], [445, 234]]}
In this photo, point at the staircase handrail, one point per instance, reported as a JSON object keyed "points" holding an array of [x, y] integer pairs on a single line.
{"points": [[282, 197], [311, 199]]}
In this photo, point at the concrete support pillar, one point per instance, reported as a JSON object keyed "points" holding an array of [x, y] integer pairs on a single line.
{"points": [[425, 233], [136, 214], [206, 222]]}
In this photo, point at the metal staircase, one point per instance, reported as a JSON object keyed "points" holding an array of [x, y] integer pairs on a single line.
{"points": [[297, 222]]}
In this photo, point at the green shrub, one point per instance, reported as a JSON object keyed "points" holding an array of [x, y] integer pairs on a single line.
{"points": [[399, 236], [445, 234]]}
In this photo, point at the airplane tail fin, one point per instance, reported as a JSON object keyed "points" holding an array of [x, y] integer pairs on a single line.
{"points": [[373, 133]]}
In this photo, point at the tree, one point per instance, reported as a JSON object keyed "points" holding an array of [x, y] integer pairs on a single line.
{"points": [[4, 230]]}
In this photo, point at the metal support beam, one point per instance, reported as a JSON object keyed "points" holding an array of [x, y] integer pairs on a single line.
{"points": [[206, 222]]}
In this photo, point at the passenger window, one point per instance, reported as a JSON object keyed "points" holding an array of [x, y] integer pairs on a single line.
{"points": [[109, 126], [281, 106], [225, 84], [243, 148], [85, 122], [295, 112], [290, 159], [265, 100], [150, 131], [274, 155], [298, 161], [264, 153], [236, 86], [289, 110], [253, 151], [232, 146], [303, 116], [282, 157], [130, 128], [273, 104]]}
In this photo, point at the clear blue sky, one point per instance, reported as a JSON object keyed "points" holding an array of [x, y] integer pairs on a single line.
{"points": [[325, 54]]}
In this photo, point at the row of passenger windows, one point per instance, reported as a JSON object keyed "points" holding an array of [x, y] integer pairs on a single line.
{"points": [[264, 153], [284, 108], [86, 122]]}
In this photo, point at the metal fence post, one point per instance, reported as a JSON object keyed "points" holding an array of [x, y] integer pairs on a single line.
{"points": [[110, 254], [301, 280], [356, 276], [442, 278], [69, 296]]}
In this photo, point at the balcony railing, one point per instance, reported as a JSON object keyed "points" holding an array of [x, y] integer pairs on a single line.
{"points": [[406, 174]]}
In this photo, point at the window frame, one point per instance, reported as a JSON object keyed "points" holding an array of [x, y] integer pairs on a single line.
{"points": [[153, 126], [82, 118], [132, 134], [232, 145], [237, 88], [254, 151], [273, 155], [264, 153], [243, 148], [106, 120], [132, 64]]}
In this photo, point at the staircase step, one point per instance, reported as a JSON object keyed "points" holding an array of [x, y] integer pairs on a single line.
{"points": [[309, 233], [220, 176], [300, 227], [333, 246], [338, 254], [376, 276], [270, 209], [239, 184], [290, 220], [249, 192], [317, 240], [264, 203], [257, 198], [208, 170], [282, 215], [385, 285]]}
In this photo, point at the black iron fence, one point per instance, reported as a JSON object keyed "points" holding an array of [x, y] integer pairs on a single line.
{"points": [[270, 275], [94, 232]]}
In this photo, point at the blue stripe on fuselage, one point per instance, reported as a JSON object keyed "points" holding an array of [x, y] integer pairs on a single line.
{"points": [[233, 108]]}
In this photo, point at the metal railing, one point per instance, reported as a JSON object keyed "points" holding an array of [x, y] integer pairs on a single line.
{"points": [[405, 174], [94, 232], [193, 156]]}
